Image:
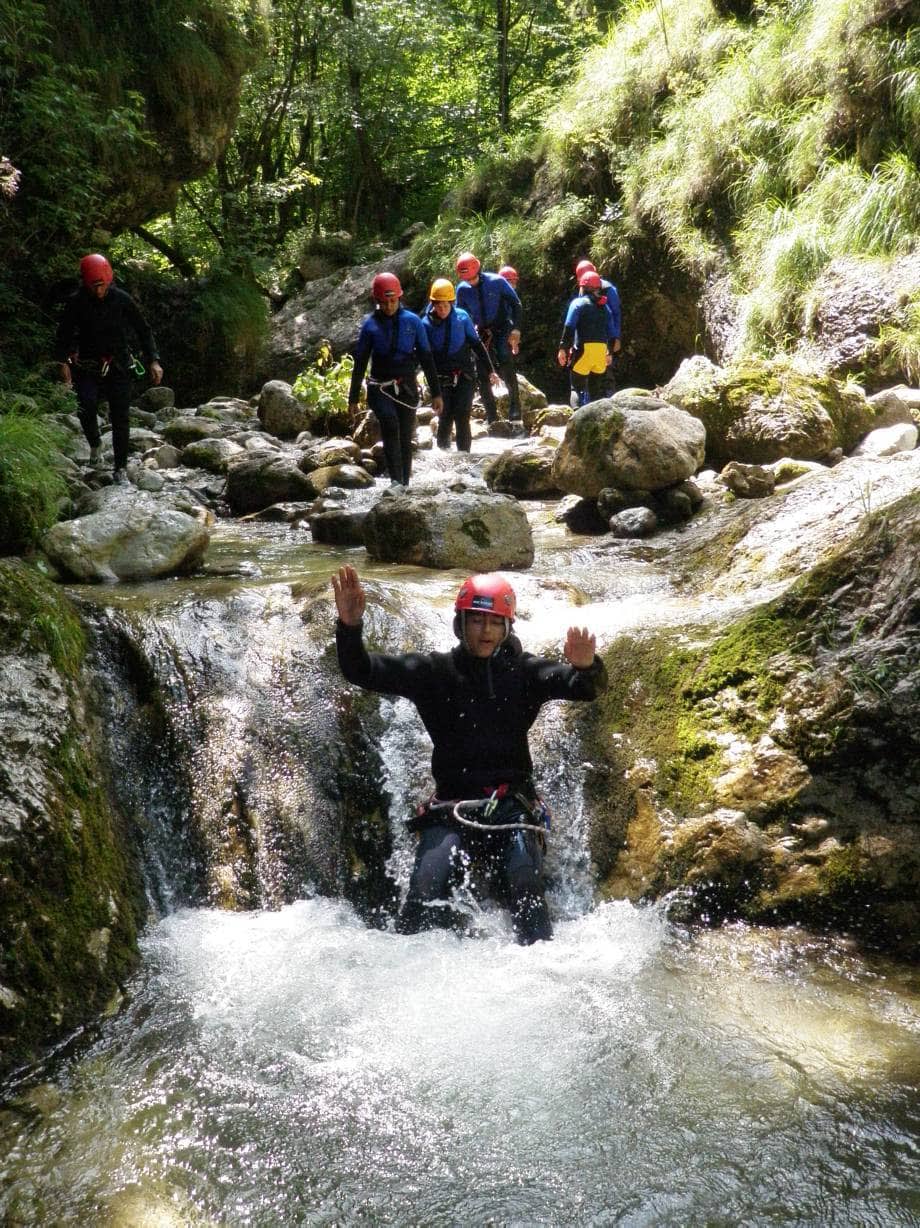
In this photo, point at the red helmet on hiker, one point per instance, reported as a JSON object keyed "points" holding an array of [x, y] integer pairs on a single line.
{"points": [[384, 286], [490, 593], [590, 281], [584, 266], [509, 273], [94, 269], [467, 265]]}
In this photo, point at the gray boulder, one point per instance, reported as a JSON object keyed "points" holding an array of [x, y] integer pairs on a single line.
{"points": [[748, 481], [186, 428], [526, 473], [461, 527], [629, 442], [128, 534], [759, 411], [214, 454], [280, 412], [258, 479]]}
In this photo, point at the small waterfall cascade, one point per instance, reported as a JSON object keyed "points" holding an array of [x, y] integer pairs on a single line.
{"points": [[281, 1061]]}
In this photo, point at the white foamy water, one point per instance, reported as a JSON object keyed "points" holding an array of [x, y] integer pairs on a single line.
{"points": [[296, 1067]]}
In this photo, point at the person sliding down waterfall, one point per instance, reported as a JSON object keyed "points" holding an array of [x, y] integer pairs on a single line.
{"points": [[477, 703]]}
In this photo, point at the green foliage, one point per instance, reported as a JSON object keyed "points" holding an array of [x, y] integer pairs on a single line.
{"points": [[35, 617], [323, 388], [31, 487], [900, 344]]}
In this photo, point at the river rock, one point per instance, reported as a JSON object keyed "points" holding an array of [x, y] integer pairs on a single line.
{"points": [[134, 535], [280, 412], [630, 442], [526, 473], [214, 454], [339, 527], [748, 481], [186, 428], [156, 399], [633, 522], [259, 479], [888, 440], [759, 411], [328, 452], [348, 477], [464, 528]]}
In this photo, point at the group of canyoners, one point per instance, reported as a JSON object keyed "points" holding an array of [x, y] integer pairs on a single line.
{"points": [[485, 823], [468, 336]]}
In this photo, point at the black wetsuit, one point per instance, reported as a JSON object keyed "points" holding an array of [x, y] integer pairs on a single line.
{"points": [[477, 713], [100, 331]]}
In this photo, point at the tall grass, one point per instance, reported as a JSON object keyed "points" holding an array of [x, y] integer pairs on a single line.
{"points": [[31, 487]]}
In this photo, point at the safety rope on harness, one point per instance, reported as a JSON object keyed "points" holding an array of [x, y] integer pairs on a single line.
{"points": [[487, 804], [383, 385]]}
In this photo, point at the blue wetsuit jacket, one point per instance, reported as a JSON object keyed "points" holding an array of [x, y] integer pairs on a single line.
{"points": [[491, 304], [452, 341], [395, 346]]}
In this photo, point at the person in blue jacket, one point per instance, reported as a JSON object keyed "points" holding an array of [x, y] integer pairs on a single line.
{"points": [[612, 296], [395, 343], [587, 340], [495, 309], [454, 340]]}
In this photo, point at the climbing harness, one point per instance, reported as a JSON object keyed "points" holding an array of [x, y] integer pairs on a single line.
{"points": [[489, 806], [383, 385]]}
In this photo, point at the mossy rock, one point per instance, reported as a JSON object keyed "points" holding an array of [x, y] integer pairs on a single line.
{"points": [[759, 412], [71, 898]]}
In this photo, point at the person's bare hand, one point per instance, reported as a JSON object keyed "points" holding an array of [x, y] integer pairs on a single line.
{"points": [[156, 373], [350, 598], [580, 647]]}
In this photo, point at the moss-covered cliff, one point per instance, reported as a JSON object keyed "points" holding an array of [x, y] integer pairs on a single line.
{"points": [[771, 772], [71, 898]]}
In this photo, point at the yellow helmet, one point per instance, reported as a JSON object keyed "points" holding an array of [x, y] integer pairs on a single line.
{"points": [[442, 291]]}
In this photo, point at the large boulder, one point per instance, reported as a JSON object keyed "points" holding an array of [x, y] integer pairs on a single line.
{"points": [[526, 473], [280, 412], [328, 310], [214, 455], [128, 534], [759, 411], [630, 442], [461, 527], [187, 428], [258, 479]]}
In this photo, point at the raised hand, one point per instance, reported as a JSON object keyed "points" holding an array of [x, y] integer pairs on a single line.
{"points": [[350, 598], [580, 646]]}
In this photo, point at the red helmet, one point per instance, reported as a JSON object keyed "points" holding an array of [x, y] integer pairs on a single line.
{"points": [[590, 281], [489, 592], [509, 273], [384, 286], [584, 266], [467, 265], [95, 268]]}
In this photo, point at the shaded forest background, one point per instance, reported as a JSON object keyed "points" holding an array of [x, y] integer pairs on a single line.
{"points": [[714, 157]]}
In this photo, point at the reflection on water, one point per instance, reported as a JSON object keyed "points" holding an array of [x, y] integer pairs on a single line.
{"points": [[296, 1067]]}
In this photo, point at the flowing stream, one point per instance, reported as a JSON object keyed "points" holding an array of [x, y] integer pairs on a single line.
{"points": [[292, 1064]]}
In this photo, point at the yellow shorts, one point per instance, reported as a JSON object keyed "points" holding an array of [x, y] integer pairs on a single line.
{"points": [[593, 361]]}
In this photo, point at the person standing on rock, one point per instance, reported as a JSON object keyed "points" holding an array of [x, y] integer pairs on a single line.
{"points": [[454, 340], [92, 348], [395, 343], [495, 309], [588, 338], [477, 702]]}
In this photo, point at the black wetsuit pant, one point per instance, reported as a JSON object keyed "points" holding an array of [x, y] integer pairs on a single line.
{"points": [[503, 359], [517, 856], [394, 406], [115, 387], [457, 395]]}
